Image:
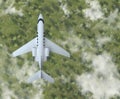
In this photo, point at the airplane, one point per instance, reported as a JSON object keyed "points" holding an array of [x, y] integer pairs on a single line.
{"points": [[40, 47]]}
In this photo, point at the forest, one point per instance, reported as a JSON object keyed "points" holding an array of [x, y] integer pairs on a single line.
{"points": [[67, 25]]}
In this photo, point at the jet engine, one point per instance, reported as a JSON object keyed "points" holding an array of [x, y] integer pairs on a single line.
{"points": [[34, 52], [46, 54]]}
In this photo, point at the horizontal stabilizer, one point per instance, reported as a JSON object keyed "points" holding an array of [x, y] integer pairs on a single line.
{"points": [[47, 77], [34, 77], [40, 74]]}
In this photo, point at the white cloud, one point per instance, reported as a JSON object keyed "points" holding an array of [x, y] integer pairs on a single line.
{"points": [[102, 40], [64, 8], [7, 93], [103, 81], [0, 2], [10, 9], [94, 12], [21, 73], [113, 15], [75, 43]]}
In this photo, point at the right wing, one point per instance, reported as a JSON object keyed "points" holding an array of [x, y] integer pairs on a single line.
{"points": [[25, 48], [55, 48]]}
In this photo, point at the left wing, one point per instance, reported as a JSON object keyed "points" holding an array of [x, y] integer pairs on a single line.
{"points": [[55, 48], [25, 48]]}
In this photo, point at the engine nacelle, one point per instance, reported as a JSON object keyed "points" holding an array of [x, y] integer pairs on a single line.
{"points": [[34, 52], [46, 53]]}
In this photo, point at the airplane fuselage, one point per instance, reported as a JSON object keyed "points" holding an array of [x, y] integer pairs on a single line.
{"points": [[40, 31], [42, 51]]}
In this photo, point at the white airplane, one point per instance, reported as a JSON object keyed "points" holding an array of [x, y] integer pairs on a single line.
{"points": [[40, 48]]}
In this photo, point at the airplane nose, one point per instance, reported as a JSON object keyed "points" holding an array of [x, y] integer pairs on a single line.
{"points": [[40, 16]]}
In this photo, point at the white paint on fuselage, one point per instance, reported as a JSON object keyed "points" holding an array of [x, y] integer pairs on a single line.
{"points": [[40, 47]]}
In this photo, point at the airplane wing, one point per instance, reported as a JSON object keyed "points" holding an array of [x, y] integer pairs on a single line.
{"points": [[55, 48], [25, 48]]}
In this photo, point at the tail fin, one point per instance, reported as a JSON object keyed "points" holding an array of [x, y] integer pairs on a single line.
{"points": [[40, 74]]}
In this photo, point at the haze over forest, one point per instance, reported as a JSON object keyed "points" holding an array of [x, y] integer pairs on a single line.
{"points": [[88, 29]]}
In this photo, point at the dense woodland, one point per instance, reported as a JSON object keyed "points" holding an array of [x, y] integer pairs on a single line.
{"points": [[17, 30]]}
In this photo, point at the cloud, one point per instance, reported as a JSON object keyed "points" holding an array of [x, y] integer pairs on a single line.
{"points": [[64, 8], [111, 18], [103, 82], [7, 93], [10, 70], [75, 43], [10, 9], [102, 40], [94, 11]]}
